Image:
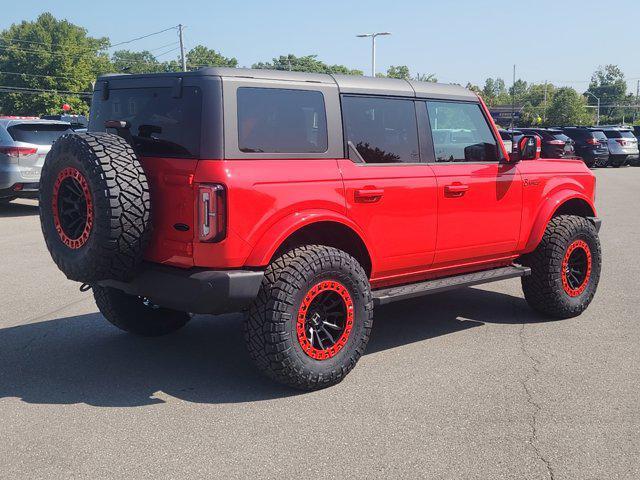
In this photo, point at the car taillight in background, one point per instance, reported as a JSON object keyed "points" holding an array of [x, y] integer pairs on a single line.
{"points": [[17, 152], [622, 142], [556, 142], [211, 212], [593, 141]]}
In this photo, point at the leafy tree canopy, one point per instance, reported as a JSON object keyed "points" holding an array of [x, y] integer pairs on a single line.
{"points": [[57, 55], [308, 63], [201, 56], [568, 108]]}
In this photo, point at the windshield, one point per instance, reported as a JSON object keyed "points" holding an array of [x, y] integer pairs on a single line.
{"points": [[161, 125], [38, 133]]}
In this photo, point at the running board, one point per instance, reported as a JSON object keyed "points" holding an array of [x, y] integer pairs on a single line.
{"points": [[393, 294]]}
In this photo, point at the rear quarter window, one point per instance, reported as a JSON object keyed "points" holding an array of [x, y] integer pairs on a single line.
{"points": [[278, 120], [161, 124]]}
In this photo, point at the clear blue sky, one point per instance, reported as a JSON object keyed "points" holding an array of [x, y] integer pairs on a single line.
{"points": [[562, 41]]}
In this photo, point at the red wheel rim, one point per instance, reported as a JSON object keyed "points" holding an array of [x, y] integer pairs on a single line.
{"points": [[325, 320], [72, 208], [576, 268]]}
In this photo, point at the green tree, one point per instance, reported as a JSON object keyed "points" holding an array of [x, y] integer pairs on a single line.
{"points": [[518, 92], [495, 92], [425, 77], [308, 63], [401, 71], [608, 84], [49, 54], [201, 56], [135, 62], [534, 111], [568, 107]]}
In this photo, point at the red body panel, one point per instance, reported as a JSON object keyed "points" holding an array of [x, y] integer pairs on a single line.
{"points": [[399, 224], [479, 212], [173, 202], [417, 221]]}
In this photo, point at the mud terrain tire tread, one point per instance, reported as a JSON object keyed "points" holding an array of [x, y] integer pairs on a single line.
{"points": [[122, 207], [543, 289], [271, 343]]}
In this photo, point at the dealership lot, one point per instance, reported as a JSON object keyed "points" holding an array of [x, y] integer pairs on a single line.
{"points": [[466, 384]]}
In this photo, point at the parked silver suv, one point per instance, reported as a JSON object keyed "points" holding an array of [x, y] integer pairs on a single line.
{"points": [[623, 146], [24, 144]]}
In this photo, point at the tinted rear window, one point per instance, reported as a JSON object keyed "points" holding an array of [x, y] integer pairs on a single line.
{"points": [[577, 133], [161, 125], [627, 134], [277, 120], [38, 133], [560, 136], [612, 133]]}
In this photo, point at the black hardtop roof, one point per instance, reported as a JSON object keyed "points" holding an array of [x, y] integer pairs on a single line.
{"points": [[345, 83]]}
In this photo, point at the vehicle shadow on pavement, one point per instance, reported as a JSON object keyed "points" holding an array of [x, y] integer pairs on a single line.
{"points": [[83, 359], [18, 210]]}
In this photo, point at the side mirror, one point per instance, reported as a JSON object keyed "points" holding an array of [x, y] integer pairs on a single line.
{"points": [[528, 147]]}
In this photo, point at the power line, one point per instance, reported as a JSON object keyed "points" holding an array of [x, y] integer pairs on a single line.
{"points": [[46, 44], [37, 75], [10, 89], [77, 53], [143, 36]]}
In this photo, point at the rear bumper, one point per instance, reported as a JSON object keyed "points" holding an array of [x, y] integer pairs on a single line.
{"points": [[11, 174], [21, 190], [194, 290]]}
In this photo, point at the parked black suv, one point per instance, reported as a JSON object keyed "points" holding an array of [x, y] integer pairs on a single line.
{"points": [[555, 144], [590, 144]]}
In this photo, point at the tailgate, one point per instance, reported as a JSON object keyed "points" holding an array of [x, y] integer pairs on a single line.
{"points": [[172, 210]]}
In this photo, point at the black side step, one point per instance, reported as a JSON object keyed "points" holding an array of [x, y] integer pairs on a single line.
{"points": [[393, 294]]}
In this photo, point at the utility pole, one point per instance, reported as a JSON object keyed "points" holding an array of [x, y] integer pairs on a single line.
{"points": [[544, 112], [513, 99], [183, 59], [598, 100], [635, 111], [373, 48]]}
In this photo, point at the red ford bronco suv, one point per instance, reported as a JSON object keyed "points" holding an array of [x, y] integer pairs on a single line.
{"points": [[305, 200]]}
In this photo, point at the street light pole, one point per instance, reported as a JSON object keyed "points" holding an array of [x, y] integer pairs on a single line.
{"points": [[373, 48], [597, 100]]}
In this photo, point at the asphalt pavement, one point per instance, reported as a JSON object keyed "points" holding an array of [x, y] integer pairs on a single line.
{"points": [[468, 384]]}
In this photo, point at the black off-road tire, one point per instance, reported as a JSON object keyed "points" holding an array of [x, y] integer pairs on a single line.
{"points": [[136, 315], [270, 328], [544, 289], [121, 207]]}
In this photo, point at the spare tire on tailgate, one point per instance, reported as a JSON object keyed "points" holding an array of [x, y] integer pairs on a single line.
{"points": [[95, 207]]}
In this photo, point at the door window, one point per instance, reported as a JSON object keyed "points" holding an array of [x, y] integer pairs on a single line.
{"points": [[461, 133], [383, 130]]}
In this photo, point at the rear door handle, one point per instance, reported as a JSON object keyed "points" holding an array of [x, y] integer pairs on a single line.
{"points": [[455, 190], [368, 195]]}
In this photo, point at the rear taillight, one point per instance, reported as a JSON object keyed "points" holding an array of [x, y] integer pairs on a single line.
{"points": [[211, 212], [556, 142], [593, 141], [17, 152], [621, 142]]}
